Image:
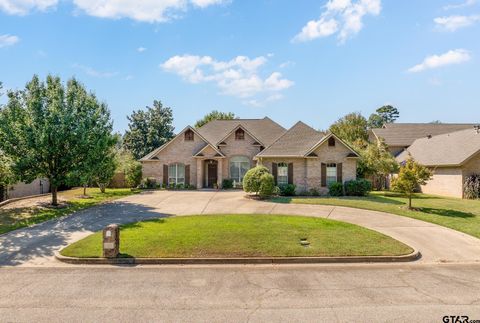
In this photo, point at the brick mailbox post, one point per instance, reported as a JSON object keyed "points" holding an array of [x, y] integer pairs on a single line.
{"points": [[111, 241]]}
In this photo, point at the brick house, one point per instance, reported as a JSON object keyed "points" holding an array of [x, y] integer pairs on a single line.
{"points": [[451, 151], [227, 149]]}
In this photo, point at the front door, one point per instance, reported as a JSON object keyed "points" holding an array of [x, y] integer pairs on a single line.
{"points": [[212, 168]]}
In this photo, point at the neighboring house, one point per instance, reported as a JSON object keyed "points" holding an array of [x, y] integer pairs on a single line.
{"points": [[38, 186], [452, 157], [227, 149], [399, 136]]}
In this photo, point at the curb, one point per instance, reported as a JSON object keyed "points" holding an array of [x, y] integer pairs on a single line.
{"points": [[415, 255], [15, 199]]}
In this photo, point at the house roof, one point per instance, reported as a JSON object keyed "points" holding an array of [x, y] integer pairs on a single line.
{"points": [[404, 134], [451, 149], [265, 130], [295, 142]]}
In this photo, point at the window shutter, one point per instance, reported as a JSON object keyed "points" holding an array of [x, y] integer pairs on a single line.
{"points": [[324, 175], [339, 173], [275, 172], [165, 174], [290, 173], [187, 174]]}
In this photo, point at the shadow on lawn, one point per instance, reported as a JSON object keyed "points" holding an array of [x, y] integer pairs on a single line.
{"points": [[43, 240], [447, 213]]}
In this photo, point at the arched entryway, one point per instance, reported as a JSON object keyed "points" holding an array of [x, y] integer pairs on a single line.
{"points": [[211, 173]]}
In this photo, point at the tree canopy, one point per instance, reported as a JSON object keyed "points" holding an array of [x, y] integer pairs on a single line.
{"points": [[214, 115], [410, 177], [47, 129], [352, 128], [148, 129], [383, 115], [377, 162]]}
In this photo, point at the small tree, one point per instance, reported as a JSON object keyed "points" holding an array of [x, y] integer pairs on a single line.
{"points": [[214, 115], [410, 177], [7, 176], [130, 167], [376, 161], [252, 180]]}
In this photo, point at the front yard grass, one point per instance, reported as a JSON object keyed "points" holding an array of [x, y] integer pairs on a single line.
{"points": [[242, 236], [457, 214], [12, 218]]}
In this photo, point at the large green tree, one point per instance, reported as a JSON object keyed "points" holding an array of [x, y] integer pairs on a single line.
{"points": [[383, 115], [214, 115], [42, 129], [352, 128], [377, 162], [96, 151], [148, 129]]}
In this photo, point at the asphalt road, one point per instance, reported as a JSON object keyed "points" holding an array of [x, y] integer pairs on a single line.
{"points": [[307, 293]]}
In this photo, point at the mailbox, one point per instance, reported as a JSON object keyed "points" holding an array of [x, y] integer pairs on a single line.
{"points": [[111, 241]]}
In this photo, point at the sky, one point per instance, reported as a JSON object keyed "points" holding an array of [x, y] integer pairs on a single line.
{"points": [[306, 60]]}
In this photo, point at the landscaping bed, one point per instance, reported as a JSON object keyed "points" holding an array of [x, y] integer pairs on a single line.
{"points": [[230, 236], [457, 214], [30, 211]]}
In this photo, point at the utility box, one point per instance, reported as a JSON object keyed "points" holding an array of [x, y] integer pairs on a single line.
{"points": [[111, 241]]}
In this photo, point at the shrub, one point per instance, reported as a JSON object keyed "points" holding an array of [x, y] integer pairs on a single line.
{"points": [[335, 189], [288, 190], [180, 186], [133, 174], [227, 183], [148, 183], [267, 185], [471, 187], [314, 192], [252, 179], [276, 190], [359, 187]]}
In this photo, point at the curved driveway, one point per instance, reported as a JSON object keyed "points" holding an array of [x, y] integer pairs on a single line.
{"points": [[36, 245]]}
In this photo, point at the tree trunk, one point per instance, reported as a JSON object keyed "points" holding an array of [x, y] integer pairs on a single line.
{"points": [[84, 189], [410, 201], [102, 187], [54, 195]]}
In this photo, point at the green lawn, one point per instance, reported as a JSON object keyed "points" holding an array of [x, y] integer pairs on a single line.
{"points": [[242, 236], [458, 214], [15, 218]]}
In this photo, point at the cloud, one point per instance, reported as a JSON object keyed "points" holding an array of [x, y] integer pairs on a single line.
{"points": [[141, 49], [8, 40], [467, 3], [451, 57], [341, 17], [152, 11], [23, 7], [239, 77], [452, 23], [93, 72]]}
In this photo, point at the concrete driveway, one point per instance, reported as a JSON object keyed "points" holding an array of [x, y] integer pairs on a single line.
{"points": [[36, 245]]}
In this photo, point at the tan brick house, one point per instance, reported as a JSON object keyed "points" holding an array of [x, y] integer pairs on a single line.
{"points": [[226, 149], [452, 157]]}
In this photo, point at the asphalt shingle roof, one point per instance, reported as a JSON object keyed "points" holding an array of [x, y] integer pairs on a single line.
{"points": [[404, 134], [449, 149], [296, 141], [266, 130]]}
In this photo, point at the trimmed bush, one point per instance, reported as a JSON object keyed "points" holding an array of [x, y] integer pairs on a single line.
{"points": [[267, 185], [314, 192], [359, 187], [252, 179], [287, 190], [335, 189], [471, 187], [227, 183], [149, 183]]}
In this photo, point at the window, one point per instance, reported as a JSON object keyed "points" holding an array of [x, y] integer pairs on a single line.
{"points": [[282, 174], [176, 174], [239, 165], [239, 134], [331, 142], [331, 173], [189, 135]]}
